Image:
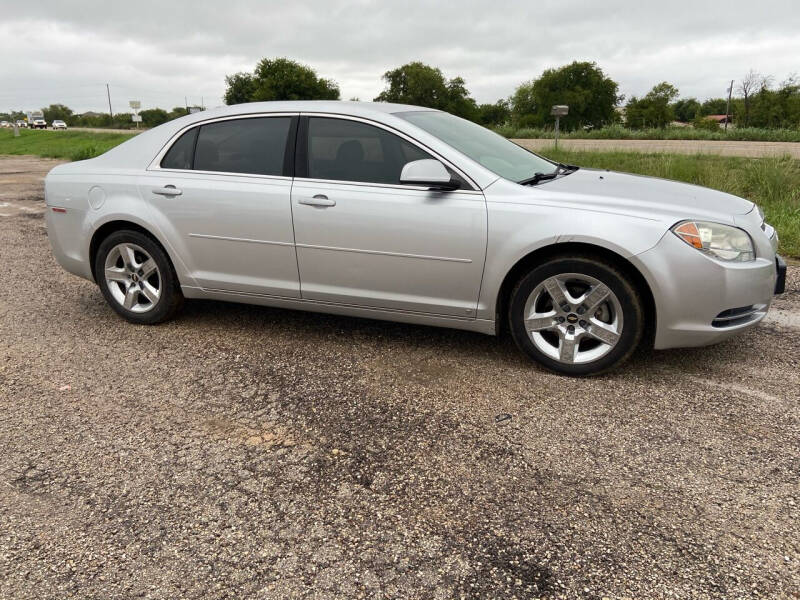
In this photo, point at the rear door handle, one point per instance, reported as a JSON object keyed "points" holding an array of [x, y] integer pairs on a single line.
{"points": [[318, 200], [167, 190]]}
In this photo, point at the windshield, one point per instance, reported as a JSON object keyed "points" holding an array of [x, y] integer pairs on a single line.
{"points": [[492, 151]]}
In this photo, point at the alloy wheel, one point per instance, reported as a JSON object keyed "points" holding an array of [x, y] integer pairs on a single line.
{"points": [[573, 318], [133, 278]]}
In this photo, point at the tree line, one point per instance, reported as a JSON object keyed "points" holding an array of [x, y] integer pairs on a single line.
{"points": [[592, 96]]}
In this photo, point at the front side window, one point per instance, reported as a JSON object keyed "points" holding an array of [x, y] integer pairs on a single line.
{"points": [[343, 150]]}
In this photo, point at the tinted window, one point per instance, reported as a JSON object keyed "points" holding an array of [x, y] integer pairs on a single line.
{"points": [[254, 146], [180, 155], [352, 151]]}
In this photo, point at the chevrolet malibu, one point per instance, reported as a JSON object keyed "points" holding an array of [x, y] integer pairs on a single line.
{"points": [[410, 214]]}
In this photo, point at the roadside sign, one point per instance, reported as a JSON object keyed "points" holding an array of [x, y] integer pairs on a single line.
{"points": [[135, 104], [558, 111], [136, 118]]}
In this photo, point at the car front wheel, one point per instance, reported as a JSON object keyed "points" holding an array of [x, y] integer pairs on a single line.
{"points": [[136, 278], [577, 315]]}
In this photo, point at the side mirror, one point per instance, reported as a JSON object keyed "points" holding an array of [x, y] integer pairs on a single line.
{"points": [[428, 172]]}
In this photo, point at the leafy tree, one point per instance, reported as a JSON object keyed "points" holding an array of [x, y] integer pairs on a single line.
{"points": [[654, 109], [494, 114], [154, 117], [749, 85], [57, 111], [776, 108], [178, 111], [422, 85], [279, 79], [589, 93], [713, 106], [686, 109], [523, 106], [240, 88]]}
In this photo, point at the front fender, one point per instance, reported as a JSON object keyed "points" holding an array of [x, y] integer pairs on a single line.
{"points": [[519, 228]]}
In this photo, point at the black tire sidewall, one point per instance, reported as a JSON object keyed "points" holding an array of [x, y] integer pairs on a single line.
{"points": [[629, 299], [171, 296]]}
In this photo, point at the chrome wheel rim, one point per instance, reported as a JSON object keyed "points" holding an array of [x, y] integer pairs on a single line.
{"points": [[133, 278], [573, 318]]}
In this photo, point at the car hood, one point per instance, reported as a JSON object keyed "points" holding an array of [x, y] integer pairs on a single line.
{"points": [[640, 194]]}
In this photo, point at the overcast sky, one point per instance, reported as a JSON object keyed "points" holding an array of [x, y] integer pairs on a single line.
{"points": [[160, 52]]}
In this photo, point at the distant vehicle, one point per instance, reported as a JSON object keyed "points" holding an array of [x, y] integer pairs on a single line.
{"points": [[5, 124], [23, 124], [59, 124], [411, 214], [36, 120]]}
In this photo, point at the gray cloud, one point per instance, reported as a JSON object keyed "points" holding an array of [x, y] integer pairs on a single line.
{"points": [[161, 52]]}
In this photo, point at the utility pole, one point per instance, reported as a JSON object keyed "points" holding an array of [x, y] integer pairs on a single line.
{"points": [[728, 105], [108, 91], [186, 102]]}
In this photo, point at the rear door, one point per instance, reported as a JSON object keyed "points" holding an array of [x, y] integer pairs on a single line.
{"points": [[366, 240], [222, 192]]}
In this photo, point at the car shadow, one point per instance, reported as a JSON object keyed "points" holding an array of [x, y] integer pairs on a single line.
{"points": [[389, 336]]}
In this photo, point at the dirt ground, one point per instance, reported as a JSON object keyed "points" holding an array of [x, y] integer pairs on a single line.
{"points": [[248, 452], [724, 148]]}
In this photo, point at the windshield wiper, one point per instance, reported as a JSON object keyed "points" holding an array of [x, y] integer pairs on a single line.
{"points": [[537, 177], [566, 169]]}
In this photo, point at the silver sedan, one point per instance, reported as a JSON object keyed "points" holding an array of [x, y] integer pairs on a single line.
{"points": [[410, 214]]}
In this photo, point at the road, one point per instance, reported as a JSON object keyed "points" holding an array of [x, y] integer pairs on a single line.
{"points": [[248, 452], [724, 148]]}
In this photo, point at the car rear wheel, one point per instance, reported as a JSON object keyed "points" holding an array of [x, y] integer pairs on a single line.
{"points": [[577, 315], [137, 278]]}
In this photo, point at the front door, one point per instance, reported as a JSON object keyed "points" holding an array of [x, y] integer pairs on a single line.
{"points": [[365, 240]]}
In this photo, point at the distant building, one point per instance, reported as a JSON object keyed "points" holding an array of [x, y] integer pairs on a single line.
{"points": [[721, 119]]}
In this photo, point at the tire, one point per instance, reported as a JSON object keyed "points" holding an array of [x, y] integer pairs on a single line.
{"points": [[130, 259], [595, 324]]}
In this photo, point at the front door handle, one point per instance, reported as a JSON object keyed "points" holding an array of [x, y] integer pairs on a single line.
{"points": [[318, 200], [167, 190]]}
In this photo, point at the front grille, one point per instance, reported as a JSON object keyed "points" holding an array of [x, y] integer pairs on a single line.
{"points": [[735, 316]]}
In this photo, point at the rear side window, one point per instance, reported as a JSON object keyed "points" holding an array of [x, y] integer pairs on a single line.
{"points": [[344, 150], [255, 146], [180, 155]]}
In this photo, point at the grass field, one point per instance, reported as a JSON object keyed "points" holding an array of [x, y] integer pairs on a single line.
{"points": [[772, 182], [72, 145], [617, 132]]}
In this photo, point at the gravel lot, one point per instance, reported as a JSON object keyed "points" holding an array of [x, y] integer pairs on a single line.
{"points": [[247, 452]]}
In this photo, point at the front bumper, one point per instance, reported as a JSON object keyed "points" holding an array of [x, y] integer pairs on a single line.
{"points": [[700, 300]]}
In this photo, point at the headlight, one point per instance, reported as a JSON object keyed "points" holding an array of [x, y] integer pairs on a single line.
{"points": [[721, 241]]}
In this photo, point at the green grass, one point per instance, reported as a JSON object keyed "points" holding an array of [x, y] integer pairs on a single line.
{"points": [[71, 145], [617, 132], [772, 182]]}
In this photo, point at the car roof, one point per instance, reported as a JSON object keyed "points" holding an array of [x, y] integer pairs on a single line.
{"points": [[349, 107]]}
